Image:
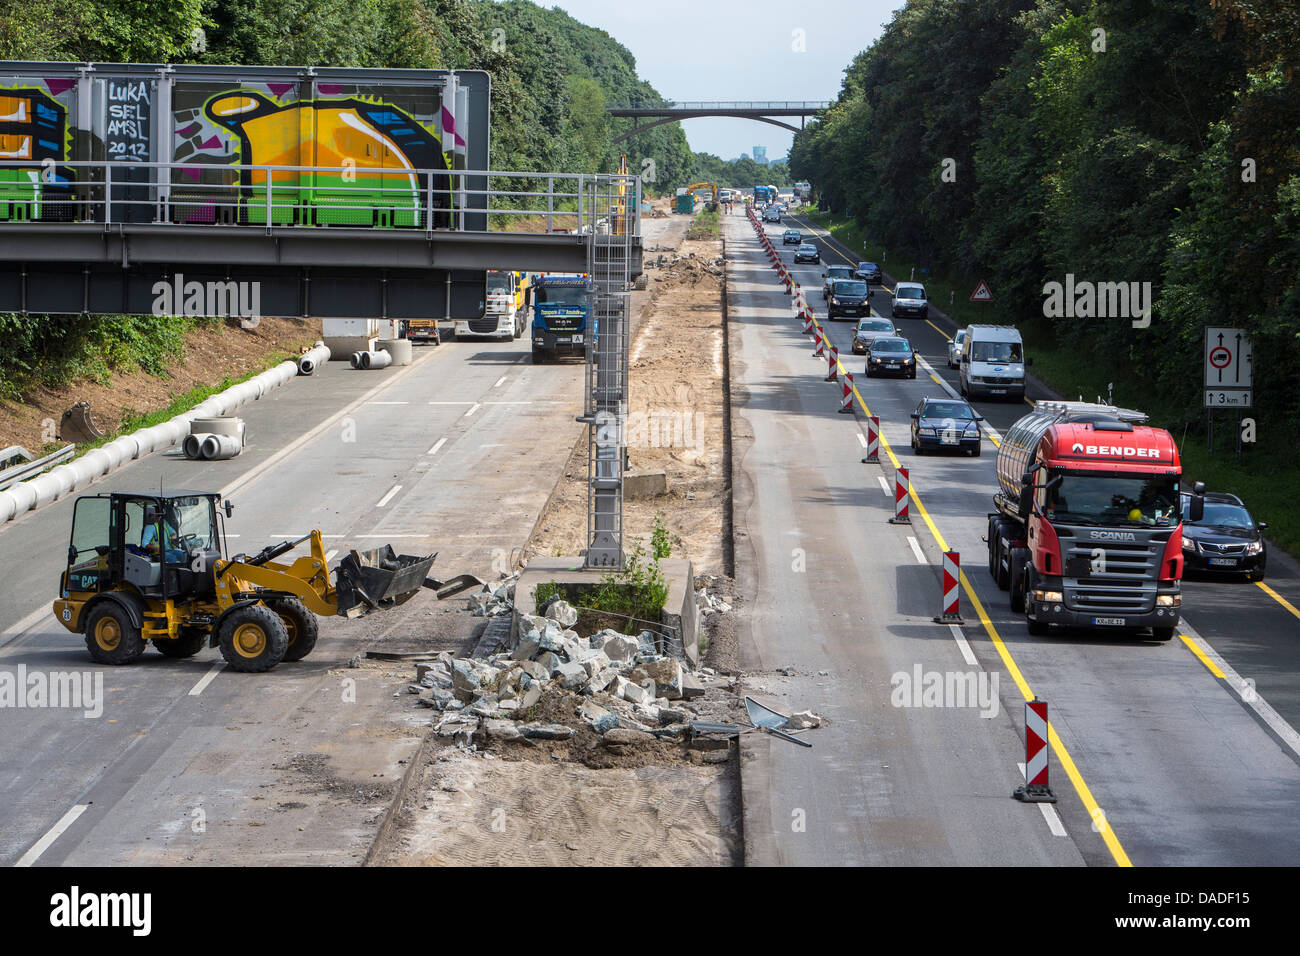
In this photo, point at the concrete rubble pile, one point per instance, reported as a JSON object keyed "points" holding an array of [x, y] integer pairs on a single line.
{"points": [[622, 682], [709, 603], [689, 266], [495, 599]]}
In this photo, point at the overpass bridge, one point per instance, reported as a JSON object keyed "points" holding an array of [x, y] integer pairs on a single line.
{"points": [[762, 111]]}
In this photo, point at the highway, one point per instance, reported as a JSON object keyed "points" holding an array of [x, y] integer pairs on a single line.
{"points": [[1161, 756]]}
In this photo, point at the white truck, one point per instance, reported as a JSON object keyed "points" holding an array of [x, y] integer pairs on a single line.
{"points": [[506, 315]]}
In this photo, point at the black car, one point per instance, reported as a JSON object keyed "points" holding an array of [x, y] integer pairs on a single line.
{"points": [[848, 299], [831, 274], [807, 252], [869, 272], [892, 356], [946, 423], [791, 237], [1226, 538]]}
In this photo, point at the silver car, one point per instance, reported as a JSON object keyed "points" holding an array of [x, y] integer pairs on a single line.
{"points": [[869, 330], [954, 348]]}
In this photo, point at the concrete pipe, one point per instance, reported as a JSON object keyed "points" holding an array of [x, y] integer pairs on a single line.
{"points": [[217, 426], [172, 432], [399, 349], [356, 359], [130, 448], [376, 359], [313, 358], [221, 447], [288, 371], [115, 454], [8, 505], [47, 488], [24, 495], [99, 461], [192, 446], [82, 472]]}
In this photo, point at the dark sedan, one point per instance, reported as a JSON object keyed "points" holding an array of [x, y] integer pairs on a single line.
{"points": [[791, 237], [892, 356], [831, 274], [1227, 538], [942, 424], [870, 272], [807, 252]]}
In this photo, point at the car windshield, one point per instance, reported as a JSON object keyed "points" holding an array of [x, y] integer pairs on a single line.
{"points": [[572, 296], [891, 345], [947, 410], [807, 247], [838, 272], [995, 352], [959, 338], [1219, 514], [497, 282], [1114, 500], [850, 287], [791, 234], [875, 325], [910, 292]]}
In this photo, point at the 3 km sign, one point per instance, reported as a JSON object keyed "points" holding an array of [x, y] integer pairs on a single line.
{"points": [[1229, 367]]}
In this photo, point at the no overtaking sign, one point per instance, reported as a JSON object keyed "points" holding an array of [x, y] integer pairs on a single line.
{"points": [[1228, 368]]}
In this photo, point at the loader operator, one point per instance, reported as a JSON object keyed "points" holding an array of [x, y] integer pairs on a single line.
{"points": [[149, 537]]}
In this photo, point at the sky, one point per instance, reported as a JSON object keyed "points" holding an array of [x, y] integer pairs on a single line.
{"points": [[739, 50]]}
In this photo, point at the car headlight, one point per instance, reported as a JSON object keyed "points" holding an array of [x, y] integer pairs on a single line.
{"points": [[925, 431], [834, 301], [1169, 600], [1254, 547], [1051, 597], [1189, 544], [876, 358], [972, 430]]}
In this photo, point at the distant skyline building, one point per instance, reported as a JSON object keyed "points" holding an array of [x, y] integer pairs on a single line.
{"points": [[760, 155]]}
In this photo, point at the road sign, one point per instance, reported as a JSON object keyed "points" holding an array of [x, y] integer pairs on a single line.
{"points": [[1229, 368], [982, 293]]}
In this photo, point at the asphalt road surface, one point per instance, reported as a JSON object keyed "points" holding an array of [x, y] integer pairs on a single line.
{"points": [[1163, 754]]}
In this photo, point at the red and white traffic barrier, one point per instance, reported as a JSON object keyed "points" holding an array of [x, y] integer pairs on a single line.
{"points": [[832, 364], [821, 342], [950, 597], [846, 402], [1035, 788], [873, 439], [807, 322], [901, 488]]}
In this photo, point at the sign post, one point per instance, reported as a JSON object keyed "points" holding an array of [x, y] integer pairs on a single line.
{"points": [[1229, 374]]}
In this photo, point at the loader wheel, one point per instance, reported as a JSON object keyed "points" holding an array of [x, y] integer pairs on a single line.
{"points": [[187, 645], [300, 623], [253, 639], [111, 638]]}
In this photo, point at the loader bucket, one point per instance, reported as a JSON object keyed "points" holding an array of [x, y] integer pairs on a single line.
{"points": [[379, 579]]}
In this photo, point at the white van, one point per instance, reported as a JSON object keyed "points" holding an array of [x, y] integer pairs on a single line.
{"points": [[993, 363]]}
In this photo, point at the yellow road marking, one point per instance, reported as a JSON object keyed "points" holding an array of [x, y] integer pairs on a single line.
{"points": [[1212, 667], [1277, 597], [1095, 812]]}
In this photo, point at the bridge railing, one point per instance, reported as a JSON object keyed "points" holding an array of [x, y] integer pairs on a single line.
{"points": [[811, 105], [315, 197]]}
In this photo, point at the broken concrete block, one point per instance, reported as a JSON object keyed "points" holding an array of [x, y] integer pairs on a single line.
{"points": [[636, 693], [572, 676], [691, 687], [496, 729], [605, 723], [540, 731], [528, 646], [600, 680], [466, 680], [804, 720], [674, 715], [549, 660], [626, 735], [534, 669], [562, 612], [596, 663], [620, 647], [529, 696], [650, 485], [666, 674]]}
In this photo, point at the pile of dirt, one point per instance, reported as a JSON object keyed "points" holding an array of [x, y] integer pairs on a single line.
{"points": [[211, 355]]}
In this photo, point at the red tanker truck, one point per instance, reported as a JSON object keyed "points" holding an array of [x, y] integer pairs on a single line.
{"points": [[1087, 531]]}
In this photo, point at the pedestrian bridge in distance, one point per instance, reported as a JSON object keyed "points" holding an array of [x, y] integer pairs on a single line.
{"points": [[762, 111]]}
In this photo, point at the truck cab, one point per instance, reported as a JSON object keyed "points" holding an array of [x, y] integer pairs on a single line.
{"points": [[506, 310], [559, 306]]}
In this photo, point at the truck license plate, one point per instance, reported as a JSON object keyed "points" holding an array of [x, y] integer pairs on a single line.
{"points": [[1112, 621], [997, 391], [1224, 562]]}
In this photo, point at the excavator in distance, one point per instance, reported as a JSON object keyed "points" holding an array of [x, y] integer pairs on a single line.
{"points": [[150, 567]]}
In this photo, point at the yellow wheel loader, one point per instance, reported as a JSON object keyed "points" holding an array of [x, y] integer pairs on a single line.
{"points": [[150, 567]]}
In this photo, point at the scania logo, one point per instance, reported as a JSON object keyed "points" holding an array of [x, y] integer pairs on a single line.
{"points": [[1113, 535]]}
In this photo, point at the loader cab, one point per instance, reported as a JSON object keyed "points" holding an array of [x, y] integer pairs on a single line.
{"points": [[161, 545]]}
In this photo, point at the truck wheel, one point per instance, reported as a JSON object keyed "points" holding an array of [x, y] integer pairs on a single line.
{"points": [[187, 645], [253, 639], [111, 638], [300, 623], [1163, 633], [993, 549], [539, 356], [1037, 628], [1018, 581]]}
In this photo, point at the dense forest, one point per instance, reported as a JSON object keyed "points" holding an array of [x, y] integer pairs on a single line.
{"points": [[551, 75], [1115, 140]]}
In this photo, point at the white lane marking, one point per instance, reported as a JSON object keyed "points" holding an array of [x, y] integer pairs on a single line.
{"points": [[884, 485], [522, 359], [475, 407], [329, 555], [13, 630], [391, 536], [964, 646], [1246, 691], [500, 381], [206, 679], [916, 549], [43, 844], [438, 444], [451, 403], [526, 402], [492, 444], [389, 497], [390, 403], [862, 439], [1049, 812]]}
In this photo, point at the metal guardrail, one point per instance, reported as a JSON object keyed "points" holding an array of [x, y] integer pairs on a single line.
{"points": [[668, 639], [811, 105], [308, 197], [16, 473]]}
